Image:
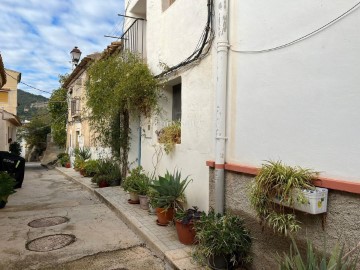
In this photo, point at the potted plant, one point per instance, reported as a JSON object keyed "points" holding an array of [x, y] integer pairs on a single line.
{"points": [[170, 136], [107, 173], [137, 182], [223, 241], [7, 184], [63, 158], [90, 168], [169, 193], [184, 222], [143, 189], [101, 180], [280, 183]]}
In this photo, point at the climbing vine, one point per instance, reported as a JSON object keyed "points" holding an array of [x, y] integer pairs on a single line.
{"points": [[119, 86]]}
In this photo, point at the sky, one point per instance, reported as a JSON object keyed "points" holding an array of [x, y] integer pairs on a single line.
{"points": [[38, 35]]}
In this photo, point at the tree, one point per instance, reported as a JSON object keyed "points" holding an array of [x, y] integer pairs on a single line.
{"points": [[58, 108], [36, 131]]}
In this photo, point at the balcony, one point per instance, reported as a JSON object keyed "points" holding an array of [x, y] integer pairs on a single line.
{"points": [[134, 38]]}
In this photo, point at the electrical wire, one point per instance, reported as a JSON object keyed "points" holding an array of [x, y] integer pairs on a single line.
{"points": [[205, 38], [303, 37], [29, 85]]}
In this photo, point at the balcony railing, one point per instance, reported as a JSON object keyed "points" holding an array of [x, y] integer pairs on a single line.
{"points": [[134, 38]]}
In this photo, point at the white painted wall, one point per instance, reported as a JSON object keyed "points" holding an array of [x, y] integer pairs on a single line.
{"points": [[172, 36], [299, 104]]}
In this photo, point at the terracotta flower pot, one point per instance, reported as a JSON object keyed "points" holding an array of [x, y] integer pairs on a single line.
{"points": [[144, 202], [68, 165], [165, 216], [103, 183], [185, 232]]}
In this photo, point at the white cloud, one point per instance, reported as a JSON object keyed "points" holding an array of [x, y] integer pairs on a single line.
{"points": [[37, 36]]}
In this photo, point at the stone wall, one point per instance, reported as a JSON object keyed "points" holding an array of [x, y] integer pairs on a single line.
{"points": [[340, 224]]}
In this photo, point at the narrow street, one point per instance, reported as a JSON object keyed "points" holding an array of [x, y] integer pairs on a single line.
{"points": [[92, 235]]}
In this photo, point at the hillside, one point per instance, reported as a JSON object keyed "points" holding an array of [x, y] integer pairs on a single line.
{"points": [[29, 104]]}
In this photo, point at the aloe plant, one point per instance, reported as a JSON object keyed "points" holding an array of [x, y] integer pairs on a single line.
{"points": [[169, 189]]}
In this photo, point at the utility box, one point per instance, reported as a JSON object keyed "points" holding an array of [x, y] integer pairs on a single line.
{"points": [[315, 201]]}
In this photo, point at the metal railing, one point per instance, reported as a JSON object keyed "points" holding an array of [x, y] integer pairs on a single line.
{"points": [[134, 38]]}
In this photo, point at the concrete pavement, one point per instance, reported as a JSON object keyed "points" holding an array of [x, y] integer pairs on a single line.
{"points": [[103, 241], [162, 240]]}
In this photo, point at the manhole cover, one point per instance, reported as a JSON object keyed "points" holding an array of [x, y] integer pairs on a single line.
{"points": [[47, 222], [50, 242]]}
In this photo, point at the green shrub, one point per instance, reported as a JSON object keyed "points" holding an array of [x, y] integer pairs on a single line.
{"points": [[63, 158], [110, 169], [223, 235], [137, 181], [90, 167]]}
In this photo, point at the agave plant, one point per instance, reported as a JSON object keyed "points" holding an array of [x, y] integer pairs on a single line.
{"points": [[169, 189], [83, 153]]}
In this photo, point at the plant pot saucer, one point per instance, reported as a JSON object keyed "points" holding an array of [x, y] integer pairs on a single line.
{"points": [[161, 224], [133, 202]]}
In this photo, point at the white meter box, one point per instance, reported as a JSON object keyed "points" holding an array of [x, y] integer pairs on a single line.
{"points": [[315, 201]]}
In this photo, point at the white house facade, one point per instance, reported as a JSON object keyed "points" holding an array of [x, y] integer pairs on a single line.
{"points": [[171, 38], [279, 82]]}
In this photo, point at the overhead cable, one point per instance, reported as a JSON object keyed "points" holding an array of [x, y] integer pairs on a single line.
{"points": [[301, 38]]}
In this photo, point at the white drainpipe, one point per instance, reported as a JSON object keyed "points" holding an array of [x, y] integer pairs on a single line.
{"points": [[222, 46]]}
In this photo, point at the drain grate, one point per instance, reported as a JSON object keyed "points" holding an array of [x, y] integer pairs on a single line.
{"points": [[50, 242], [47, 222]]}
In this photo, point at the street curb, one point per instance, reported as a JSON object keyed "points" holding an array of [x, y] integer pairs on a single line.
{"points": [[131, 223]]}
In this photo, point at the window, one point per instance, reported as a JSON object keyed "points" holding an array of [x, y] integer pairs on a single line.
{"points": [[75, 107], [176, 106], [4, 97]]}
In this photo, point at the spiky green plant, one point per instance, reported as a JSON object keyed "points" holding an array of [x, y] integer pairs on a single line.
{"points": [[276, 180], [169, 189], [83, 153], [312, 261]]}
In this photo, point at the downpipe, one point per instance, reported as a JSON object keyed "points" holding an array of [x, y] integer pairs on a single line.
{"points": [[222, 51]]}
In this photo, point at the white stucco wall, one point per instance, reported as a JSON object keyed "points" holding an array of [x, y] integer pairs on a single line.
{"points": [[172, 36], [299, 104]]}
